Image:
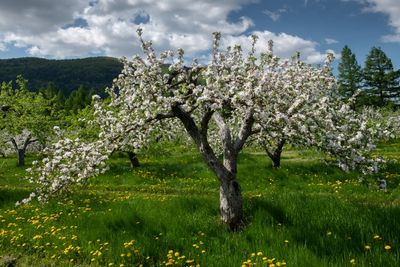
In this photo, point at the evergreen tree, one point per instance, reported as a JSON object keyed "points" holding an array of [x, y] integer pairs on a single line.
{"points": [[381, 81], [350, 74], [54, 97], [76, 100]]}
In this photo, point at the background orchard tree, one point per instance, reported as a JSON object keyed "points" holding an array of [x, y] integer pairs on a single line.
{"points": [[219, 106], [24, 117], [289, 105]]}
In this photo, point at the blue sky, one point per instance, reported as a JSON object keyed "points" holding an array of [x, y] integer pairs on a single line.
{"points": [[78, 28]]}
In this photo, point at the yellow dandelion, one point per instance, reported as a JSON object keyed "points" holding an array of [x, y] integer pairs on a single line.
{"points": [[37, 237], [367, 247], [353, 261], [377, 237], [259, 253], [388, 247]]}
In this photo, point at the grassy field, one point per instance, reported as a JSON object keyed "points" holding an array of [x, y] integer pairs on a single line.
{"points": [[165, 213]]}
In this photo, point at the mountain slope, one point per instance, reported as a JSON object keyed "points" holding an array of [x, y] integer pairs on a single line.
{"points": [[67, 75]]}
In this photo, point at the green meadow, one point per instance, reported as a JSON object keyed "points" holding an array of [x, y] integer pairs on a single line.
{"points": [[166, 213]]}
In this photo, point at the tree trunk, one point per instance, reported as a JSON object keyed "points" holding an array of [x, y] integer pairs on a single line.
{"points": [[21, 151], [231, 204], [276, 155], [21, 157], [133, 159]]}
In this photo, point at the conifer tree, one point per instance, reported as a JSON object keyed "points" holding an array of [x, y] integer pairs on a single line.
{"points": [[350, 74], [380, 79]]}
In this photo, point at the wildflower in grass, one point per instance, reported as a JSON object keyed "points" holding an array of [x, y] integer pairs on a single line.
{"points": [[353, 261], [286, 242], [367, 247], [388, 247], [36, 237], [377, 237]]}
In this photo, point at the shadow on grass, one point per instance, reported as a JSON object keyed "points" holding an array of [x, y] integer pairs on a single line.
{"points": [[9, 196], [257, 209]]}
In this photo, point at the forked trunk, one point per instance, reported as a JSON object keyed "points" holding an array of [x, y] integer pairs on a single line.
{"points": [[275, 156], [21, 151], [276, 159], [133, 159], [231, 204]]}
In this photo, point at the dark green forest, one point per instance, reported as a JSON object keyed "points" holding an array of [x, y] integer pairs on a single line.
{"points": [[67, 75]]}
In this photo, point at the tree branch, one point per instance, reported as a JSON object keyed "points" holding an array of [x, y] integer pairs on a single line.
{"points": [[245, 131], [200, 138], [14, 143]]}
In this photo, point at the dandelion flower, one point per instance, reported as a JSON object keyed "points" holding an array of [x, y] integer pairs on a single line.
{"points": [[377, 237]]}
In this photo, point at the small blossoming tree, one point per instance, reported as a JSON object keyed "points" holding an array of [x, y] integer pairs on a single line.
{"points": [[23, 118], [219, 106]]}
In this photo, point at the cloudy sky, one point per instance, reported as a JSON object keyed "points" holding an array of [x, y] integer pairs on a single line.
{"points": [[82, 28]]}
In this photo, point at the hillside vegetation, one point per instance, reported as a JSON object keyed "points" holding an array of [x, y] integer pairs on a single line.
{"points": [[67, 75]]}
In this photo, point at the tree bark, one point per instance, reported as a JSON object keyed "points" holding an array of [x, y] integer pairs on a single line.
{"points": [[21, 151], [133, 159], [276, 155], [21, 157], [231, 203]]}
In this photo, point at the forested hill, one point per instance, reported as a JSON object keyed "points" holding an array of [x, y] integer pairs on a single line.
{"points": [[67, 75]]}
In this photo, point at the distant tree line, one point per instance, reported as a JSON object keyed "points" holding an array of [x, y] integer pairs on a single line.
{"points": [[376, 84], [66, 75]]}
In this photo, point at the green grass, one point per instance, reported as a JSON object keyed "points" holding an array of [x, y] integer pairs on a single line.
{"points": [[305, 213]]}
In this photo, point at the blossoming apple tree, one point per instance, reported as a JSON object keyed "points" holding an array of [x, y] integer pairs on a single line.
{"points": [[220, 106], [23, 118], [305, 109]]}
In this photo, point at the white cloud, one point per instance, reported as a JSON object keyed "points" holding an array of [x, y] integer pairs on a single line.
{"points": [[285, 45], [49, 28], [3, 47], [330, 41], [391, 8], [274, 15]]}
